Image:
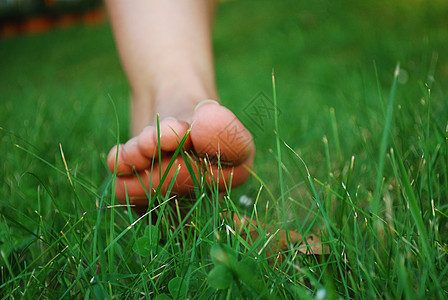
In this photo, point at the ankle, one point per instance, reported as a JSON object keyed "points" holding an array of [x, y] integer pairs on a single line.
{"points": [[179, 96], [173, 98], [190, 89]]}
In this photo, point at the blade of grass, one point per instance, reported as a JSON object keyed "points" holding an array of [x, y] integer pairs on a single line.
{"points": [[334, 129], [417, 217], [279, 153], [111, 244], [90, 188], [383, 145], [379, 89]]}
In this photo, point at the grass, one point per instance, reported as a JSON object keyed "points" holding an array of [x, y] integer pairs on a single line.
{"points": [[362, 151]]}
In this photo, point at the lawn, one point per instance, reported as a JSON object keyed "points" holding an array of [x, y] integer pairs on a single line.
{"points": [[358, 157]]}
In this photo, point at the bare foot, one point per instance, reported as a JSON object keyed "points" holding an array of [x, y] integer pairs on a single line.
{"points": [[216, 134]]}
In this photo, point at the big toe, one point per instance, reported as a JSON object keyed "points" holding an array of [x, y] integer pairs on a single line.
{"points": [[216, 131]]}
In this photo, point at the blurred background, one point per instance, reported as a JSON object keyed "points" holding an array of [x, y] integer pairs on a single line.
{"points": [[34, 16], [58, 80]]}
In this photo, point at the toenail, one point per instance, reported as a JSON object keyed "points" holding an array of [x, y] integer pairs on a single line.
{"points": [[205, 102], [148, 127], [132, 141], [169, 118]]}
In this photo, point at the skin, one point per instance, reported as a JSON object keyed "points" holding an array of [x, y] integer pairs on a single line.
{"points": [[165, 49], [137, 155]]}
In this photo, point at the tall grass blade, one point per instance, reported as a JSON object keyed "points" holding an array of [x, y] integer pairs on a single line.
{"points": [[383, 145], [279, 153], [425, 242]]}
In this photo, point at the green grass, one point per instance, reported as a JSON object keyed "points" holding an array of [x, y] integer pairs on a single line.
{"points": [[362, 152]]}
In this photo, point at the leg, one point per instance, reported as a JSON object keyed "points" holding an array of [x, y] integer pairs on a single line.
{"points": [[165, 49], [166, 53]]}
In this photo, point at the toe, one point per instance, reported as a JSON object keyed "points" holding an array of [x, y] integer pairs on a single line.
{"points": [[129, 157], [133, 186], [116, 159], [215, 129], [230, 175], [147, 142], [172, 132], [147, 181], [133, 156]]}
